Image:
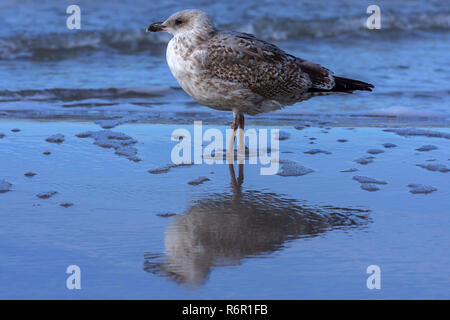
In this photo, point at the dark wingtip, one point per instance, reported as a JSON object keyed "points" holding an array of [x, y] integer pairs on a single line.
{"points": [[345, 84]]}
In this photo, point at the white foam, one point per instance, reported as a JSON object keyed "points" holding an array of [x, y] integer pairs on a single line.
{"points": [[419, 132], [292, 169], [5, 186], [435, 167], [117, 140]]}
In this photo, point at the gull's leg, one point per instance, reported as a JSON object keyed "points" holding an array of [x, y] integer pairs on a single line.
{"points": [[232, 174], [234, 126], [241, 142], [240, 179], [236, 183], [241, 149]]}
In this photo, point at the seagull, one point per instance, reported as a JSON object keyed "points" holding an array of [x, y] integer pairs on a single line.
{"points": [[235, 71]]}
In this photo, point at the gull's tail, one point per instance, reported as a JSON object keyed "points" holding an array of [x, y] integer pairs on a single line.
{"points": [[349, 85]]}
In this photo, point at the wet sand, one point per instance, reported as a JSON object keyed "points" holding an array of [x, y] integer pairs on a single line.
{"points": [[365, 196]]}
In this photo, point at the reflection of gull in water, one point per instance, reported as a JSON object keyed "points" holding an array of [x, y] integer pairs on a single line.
{"points": [[223, 229]]}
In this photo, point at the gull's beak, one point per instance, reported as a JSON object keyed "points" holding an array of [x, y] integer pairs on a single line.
{"points": [[155, 27]]}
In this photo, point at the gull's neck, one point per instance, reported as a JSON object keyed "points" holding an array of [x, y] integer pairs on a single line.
{"points": [[196, 35]]}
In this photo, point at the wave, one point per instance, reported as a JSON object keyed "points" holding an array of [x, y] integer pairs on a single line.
{"points": [[110, 107], [62, 45], [62, 94], [392, 24], [69, 94], [66, 45]]}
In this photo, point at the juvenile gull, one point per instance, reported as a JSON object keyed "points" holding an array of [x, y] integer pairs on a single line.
{"points": [[228, 70]]}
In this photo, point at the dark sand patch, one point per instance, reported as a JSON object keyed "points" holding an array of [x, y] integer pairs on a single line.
{"points": [[435, 167], [420, 188], [56, 138], [364, 160], [66, 204], [283, 135], [405, 132], [363, 179], [46, 195], [369, 187], [166, 168], [30, 174], [198, 181], [369, 184], [166, 215], [375, 151], [315, 151], [427, 147]]}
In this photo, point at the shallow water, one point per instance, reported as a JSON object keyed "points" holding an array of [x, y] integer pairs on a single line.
{"points": [[138, 229], [140, 235], [407, 60]]}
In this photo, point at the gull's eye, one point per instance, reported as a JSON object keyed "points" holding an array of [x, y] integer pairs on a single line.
{"points": [[178, 22]]}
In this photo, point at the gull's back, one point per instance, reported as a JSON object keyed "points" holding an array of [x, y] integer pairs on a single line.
{"points": [[230, 70], [263, 67]]}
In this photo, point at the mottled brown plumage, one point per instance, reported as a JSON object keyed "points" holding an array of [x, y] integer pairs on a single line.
{"points": [[263, 68]]}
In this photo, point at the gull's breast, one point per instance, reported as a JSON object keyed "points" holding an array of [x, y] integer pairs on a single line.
{"points": [[184, 65], [186, 62]]}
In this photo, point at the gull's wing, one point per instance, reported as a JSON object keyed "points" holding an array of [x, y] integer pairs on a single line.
{"points": [[263, 67]]}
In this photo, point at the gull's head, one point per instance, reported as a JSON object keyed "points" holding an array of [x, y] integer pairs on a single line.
{"points": [[185, 22]]}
